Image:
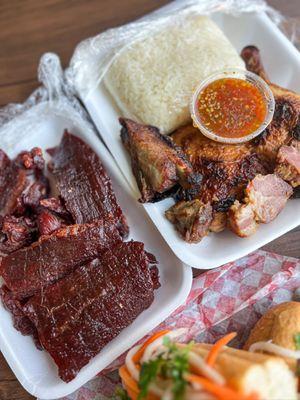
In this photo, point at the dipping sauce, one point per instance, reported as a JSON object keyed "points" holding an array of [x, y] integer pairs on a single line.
{"points": [[231, 107]]}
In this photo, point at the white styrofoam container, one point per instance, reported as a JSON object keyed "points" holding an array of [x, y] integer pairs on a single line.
{"points": [[282, 62], [35, 369]]}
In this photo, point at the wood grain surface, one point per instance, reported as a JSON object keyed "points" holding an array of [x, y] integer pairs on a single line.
{"points": [[28, 28]]}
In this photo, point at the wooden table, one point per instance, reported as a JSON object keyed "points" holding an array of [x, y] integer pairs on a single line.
{"points": [[30, 28]]}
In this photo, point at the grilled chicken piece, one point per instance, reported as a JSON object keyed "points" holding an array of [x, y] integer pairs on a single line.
{"points": [[241, 219], [288, 163], [192, 219], [268, 195], [225, 169], [158, 165], [285, 125]]}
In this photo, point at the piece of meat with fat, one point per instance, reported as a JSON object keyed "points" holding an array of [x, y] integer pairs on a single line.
{"points": [[16, 232], [268, 195], [288, 163], [83, 183], [241, 219], [12, 183], [77, 316], [219, 222], [20, 321], [285, 125], [31, 269], [191, 219], [226, 169], [157, 163]]}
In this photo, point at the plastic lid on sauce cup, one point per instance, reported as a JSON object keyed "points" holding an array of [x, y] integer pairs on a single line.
{"points": [[248, 76]]}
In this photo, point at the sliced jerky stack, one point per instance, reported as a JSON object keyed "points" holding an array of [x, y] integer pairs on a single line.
{"points": [[52, 257], [77, 316], [83, 183]]}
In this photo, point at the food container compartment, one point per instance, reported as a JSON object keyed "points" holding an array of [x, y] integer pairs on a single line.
{"points": [[43, 126], [215, 249]]}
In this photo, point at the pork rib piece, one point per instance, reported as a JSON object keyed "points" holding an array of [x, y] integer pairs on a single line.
{"points": [[192, 219], [52, 257], [268, 195], [285, 125], [288, 163], [12, 183], [265, 198], [157, 163], [77, 316], [241, 219], [83, 183]]}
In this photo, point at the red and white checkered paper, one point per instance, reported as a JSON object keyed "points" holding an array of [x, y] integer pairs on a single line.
{"points": [[229, 298]]}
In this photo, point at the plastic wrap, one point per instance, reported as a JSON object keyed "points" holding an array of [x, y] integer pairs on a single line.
{"points": [[93, 56], [53, 97]]}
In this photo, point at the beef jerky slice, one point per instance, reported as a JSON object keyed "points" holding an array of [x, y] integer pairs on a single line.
{"points": [[12, 183], [52, 257], [83, 183], [20, 321], [77, 316]]}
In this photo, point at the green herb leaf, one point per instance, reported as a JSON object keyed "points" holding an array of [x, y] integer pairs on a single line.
{"points": [[121, 394], [297, 340], [148, 374], [172, 366]]}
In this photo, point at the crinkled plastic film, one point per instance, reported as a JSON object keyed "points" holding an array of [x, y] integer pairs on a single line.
{"points": [[93, 56], [53, 97]]}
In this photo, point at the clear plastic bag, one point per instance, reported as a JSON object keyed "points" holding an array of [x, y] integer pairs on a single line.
{"points": [[53, 97], [93, 56]]}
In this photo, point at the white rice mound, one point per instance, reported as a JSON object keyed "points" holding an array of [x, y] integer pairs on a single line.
{"points": [[153, 79]]}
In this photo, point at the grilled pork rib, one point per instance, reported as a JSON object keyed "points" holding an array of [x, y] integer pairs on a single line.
{"points": [[157, 163]]}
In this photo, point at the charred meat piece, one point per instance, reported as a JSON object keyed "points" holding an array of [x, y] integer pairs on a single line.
{"points": [[285, 125], [77, 316], [225, 169], [35, 192], [158, 165], [192, 219], [16, 232], [20, 321], [52, 257], [48, 223], [84, 185], [267, 195], [31, 160], [55, 206], [241, 219], [288, 163], [12, 184]]}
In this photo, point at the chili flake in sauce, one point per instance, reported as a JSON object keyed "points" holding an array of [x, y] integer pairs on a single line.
{"points": [[231, 107]]}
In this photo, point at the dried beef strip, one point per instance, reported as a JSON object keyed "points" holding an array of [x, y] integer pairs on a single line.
{"points": [[83, 183], [52, 257], [20, 321], [77, 316], [12, 182], [16, 232]]}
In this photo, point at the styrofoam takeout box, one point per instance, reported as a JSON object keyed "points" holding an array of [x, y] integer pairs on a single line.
{"points": [[282, 62], [35, 369]]}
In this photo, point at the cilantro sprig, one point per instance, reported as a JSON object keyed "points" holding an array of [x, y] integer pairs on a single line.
{"points": [[121, 394], [171, 365]]}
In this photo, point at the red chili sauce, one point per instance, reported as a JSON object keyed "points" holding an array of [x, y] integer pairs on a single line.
{"points": [[231, 107]]}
